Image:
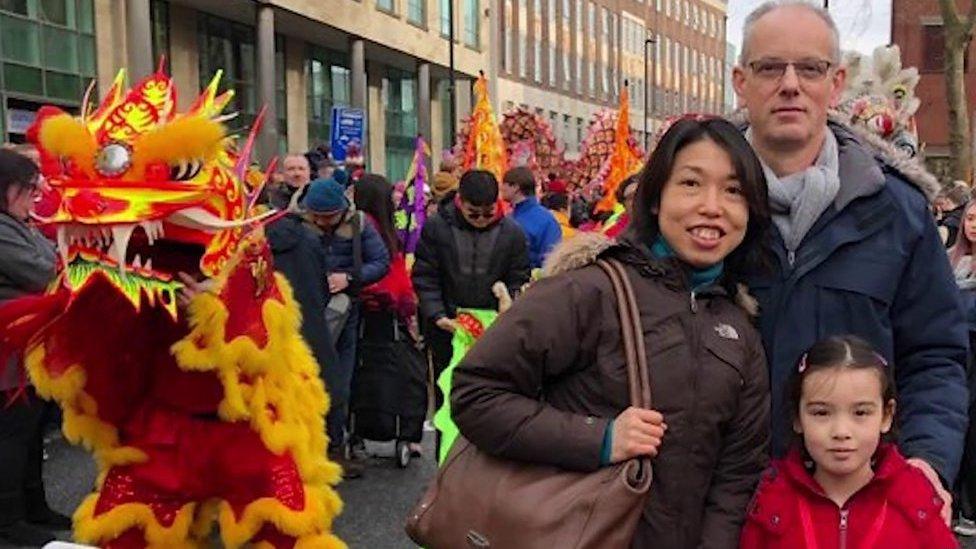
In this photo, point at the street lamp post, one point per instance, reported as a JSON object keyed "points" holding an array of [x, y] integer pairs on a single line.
{"points": [[647, 42], [450, 54]]}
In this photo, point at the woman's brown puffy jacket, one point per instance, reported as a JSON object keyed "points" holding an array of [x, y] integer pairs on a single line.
{"points": [[543, 383]]}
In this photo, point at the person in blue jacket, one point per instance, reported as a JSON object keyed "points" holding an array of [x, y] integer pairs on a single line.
{"points": [[540, 226], [356, 257], [856, 249]]}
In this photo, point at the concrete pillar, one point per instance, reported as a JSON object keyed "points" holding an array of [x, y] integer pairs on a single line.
{"points": [[110, 46], [268, 138], [296, 103], [437, 109], [465, 101], [376, 121], [184, 54], [424, 122], [139, 38], [358, 61]]}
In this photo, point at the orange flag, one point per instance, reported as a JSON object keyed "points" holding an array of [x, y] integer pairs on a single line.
{"points": [[485, 149], [623, 161]]}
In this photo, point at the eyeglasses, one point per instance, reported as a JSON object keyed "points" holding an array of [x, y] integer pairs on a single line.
{"points": [[811, 70], [480, 214]]}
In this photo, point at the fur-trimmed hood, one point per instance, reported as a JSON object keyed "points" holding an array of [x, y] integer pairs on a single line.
{"points": [[585, 248], [911, 168]]}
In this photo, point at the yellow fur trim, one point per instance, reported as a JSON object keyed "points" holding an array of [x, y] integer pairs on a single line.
{"points": [[314, 521], [276, 388], [114, 522], [64, 135], [188, 138]]}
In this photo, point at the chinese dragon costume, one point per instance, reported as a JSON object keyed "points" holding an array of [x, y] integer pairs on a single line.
{"points": [[208, 412]]}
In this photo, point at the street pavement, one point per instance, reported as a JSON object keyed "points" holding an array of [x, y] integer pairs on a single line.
{"points": [[375, 505]]}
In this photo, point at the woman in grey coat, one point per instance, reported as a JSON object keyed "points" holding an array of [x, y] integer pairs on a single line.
{"points": [[27, 266]]}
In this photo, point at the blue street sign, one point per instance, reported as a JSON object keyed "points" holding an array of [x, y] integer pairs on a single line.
{"points": [[348, 126]]}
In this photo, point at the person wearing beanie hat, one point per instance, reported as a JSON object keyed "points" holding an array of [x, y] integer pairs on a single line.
{"points": [[356, 256], [325, 196]]}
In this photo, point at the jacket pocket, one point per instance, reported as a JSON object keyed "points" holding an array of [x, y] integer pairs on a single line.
{"points": [[723, 374], [856, 296]]}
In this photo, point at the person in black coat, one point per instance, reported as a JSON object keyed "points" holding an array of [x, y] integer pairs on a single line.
{"points": [[464, 249], [300, 257]]}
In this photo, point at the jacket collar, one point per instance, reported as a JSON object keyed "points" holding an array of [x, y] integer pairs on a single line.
{"points": [[529, 203], [888, 462]]}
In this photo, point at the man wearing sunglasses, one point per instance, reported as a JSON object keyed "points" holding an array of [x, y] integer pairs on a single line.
{"points": [[464, 249], [856, 251]]}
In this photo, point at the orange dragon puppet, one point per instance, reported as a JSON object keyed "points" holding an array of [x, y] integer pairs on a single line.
{"points": [[212, 411]]}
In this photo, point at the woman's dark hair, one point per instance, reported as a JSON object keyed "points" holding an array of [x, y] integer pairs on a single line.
{"points": [[16, 170], [373, 194], [839, 351], [478, 188], [751, 254]]}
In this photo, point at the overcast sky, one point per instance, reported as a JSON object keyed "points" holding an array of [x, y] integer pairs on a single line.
{"points": [[863, 24]]}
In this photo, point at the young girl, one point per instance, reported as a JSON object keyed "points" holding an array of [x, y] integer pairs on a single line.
{"points": [[843, 487]]}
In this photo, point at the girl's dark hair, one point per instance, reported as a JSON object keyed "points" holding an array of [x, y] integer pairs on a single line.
{"points": [[839, 351], [16, 170], [751, 255], [373, 194]]}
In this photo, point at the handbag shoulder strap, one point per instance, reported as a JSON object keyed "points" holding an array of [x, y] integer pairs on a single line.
{"points": [[632, 333]]}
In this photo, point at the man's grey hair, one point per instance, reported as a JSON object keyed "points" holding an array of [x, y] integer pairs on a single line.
{"points": [[774, 5]]}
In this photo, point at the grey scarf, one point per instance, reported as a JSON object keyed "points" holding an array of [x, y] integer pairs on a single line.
{"points": [[798, 200]]}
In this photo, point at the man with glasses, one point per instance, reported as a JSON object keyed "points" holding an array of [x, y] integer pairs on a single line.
{"points": [[464, 249], [856, 251]]}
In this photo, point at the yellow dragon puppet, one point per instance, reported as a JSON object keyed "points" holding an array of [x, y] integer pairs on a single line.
{"points": [[196, 414]]}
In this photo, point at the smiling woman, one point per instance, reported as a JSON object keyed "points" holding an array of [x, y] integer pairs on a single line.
{"points": [[700, 220]]}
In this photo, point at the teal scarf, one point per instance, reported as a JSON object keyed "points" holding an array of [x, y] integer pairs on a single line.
{"points": [[700, 278]]}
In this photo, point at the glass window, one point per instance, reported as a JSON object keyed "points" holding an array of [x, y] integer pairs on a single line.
{"points": [[20, 40], [229, 46], [17, 78], [605, 54], [14, 6], [62, 86], [417, 12], [523, 24], [399, 90], [566, 44], [60, 49], [159, 15], [537, 41], [385, 5], [507, 26], [472, 26], [579, 47], [328, 85], [551, 28], [86, 20], [57, 12], [446, 16]]}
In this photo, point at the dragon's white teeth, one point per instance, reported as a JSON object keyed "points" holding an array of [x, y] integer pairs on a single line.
{"points": [[137, 262], [148, 265], [63, 244], [120, 236]]}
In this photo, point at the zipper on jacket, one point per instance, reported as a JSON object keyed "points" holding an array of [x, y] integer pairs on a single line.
{"points": [[843, 528], [693, 302], [791, 257]]}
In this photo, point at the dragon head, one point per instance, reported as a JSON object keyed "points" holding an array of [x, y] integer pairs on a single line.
{"points": [[138, 192]]}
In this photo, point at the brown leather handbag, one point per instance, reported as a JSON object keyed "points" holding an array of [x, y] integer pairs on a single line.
{"points": [[482, 501]]}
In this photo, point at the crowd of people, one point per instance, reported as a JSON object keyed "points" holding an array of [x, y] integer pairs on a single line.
{"points": [[809, 326]]}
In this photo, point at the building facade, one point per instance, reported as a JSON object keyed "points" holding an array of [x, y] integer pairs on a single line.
{"points": [[916, 26], [299, 57], [566, 59]]}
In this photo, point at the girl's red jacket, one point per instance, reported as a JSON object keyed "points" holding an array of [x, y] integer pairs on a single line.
{"points": [[897, 509]]}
